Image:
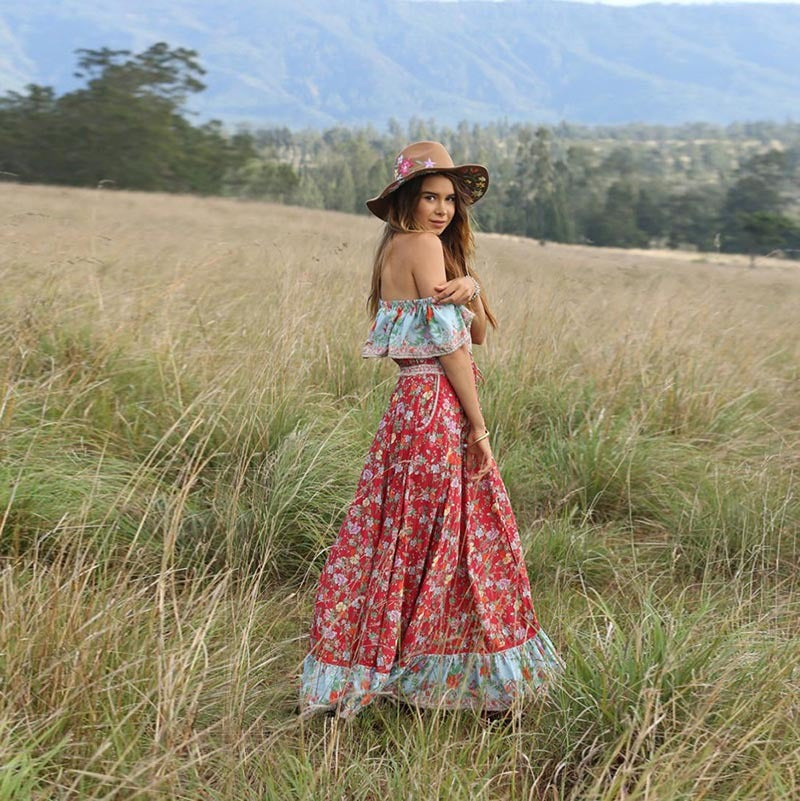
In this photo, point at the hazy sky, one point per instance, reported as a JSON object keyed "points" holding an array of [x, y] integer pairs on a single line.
{"points": [[682, 2], [663, 2]]}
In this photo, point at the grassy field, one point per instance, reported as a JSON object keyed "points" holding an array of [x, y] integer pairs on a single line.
{"points": [[183, 418]]}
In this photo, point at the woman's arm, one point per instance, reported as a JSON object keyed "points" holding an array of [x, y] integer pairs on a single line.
{"points": [[458, 368], [478, 328], [425, 258], [458, 291]]}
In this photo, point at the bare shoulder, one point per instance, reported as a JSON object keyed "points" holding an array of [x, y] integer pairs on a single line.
{"points": [[419, 256], [416, 245]]}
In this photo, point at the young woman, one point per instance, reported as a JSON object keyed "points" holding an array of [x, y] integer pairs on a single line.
{"points": [[424, 595]]}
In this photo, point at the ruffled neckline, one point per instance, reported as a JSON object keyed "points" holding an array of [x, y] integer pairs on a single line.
{"points": [[413, 328]]}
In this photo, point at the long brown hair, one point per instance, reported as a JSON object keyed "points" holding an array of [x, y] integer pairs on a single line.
{"points": [[457, 239]]}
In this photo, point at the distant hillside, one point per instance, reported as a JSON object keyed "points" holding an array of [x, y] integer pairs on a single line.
{"points": [[320, 62]]}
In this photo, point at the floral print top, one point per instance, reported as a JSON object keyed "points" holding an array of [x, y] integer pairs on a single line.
{"points": [[418, 328]]}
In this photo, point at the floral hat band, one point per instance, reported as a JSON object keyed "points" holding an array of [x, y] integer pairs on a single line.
{"points": [[424, 158], [403, 165]]}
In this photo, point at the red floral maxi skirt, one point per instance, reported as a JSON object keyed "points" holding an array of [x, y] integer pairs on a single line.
{"points": [[424, 594]]}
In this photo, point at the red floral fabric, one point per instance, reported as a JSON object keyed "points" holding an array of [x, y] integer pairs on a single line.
{"points": [[424, 593]]}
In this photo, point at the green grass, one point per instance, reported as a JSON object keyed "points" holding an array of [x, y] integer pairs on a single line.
{"points": [[178, 446]]}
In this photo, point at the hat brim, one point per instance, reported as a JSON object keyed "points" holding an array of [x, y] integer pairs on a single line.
{"points": [[476, 176]]}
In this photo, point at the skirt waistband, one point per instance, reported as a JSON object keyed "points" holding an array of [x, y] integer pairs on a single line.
{"points": [[432, 367], [424, 368]]}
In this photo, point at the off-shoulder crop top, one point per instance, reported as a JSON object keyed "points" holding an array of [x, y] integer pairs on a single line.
{"points": [[418, 329]]}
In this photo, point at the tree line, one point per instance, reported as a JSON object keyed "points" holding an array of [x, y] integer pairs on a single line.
{"points": [[733, 189], [127, 127], [731, 193]]}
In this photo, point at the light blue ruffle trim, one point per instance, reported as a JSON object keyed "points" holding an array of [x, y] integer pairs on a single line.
{"points": [[447, 681], [418, 328]]}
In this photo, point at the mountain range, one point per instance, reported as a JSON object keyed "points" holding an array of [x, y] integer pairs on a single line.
{"points": [[325, 62]]}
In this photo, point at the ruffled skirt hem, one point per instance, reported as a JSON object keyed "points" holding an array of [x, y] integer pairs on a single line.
{"points": [[480, 681]]}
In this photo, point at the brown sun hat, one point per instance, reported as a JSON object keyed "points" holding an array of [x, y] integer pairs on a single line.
{"points": [[423, 158]]}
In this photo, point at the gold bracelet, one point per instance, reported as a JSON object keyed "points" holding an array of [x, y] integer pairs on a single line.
{"points": [[482, 436]]}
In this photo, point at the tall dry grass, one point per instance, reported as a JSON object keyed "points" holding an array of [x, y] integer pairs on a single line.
{"points": [[183, 417]]}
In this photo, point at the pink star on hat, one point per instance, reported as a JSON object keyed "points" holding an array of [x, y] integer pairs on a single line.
{"points": [[429, 163]]}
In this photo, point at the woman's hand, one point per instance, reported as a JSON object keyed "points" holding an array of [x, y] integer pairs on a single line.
{"points": [[457, 290], [479, 455]]}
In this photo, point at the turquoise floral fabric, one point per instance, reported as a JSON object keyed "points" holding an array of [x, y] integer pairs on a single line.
{"points": [[489, 681], [418, 328]]}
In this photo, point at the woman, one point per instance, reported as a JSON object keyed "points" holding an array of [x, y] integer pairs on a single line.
{"points": [[424, 595]]}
